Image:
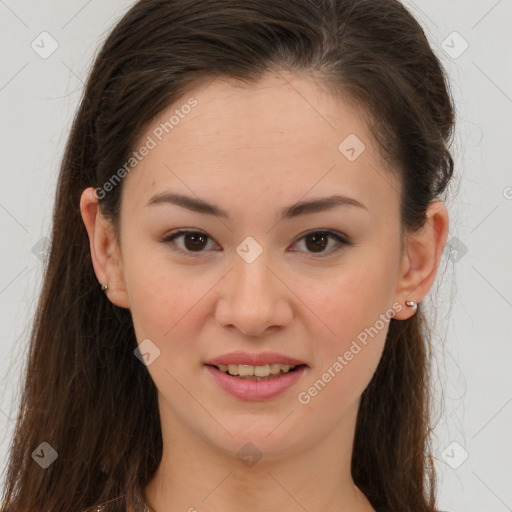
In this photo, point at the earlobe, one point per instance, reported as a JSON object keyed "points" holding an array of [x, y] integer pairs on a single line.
{"points": [[105, 254], [421, 258]]}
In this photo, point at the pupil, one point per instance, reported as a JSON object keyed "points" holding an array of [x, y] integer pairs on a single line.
{"points": [[316, 237], [194, 236]]}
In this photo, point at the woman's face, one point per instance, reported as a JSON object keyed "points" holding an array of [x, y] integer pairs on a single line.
{"points": [[258, 277]]}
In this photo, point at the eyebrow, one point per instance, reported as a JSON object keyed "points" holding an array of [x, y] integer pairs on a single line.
{"points": [[295, 210]]}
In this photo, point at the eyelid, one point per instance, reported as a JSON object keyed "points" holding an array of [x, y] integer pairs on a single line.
{"points": [[175, 234], [341, 239]]}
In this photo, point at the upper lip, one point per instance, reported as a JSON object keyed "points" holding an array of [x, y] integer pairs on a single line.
{"points": [[259, 359]]}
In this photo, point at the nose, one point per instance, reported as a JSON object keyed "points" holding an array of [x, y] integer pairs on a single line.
{"points": [[254, 298]]}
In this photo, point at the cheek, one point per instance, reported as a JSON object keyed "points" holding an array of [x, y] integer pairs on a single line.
{"points": [[351, 300], [345, 362], [353, 313], [159, 294]]}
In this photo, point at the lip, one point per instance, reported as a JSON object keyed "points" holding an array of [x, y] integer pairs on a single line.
{"points": [[256, 390], [259, 359]]}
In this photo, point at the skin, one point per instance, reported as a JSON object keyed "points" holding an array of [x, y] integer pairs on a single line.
{"points": [[253, 150]]}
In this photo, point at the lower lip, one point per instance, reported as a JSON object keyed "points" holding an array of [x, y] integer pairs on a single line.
{"points": [[256, 390]]}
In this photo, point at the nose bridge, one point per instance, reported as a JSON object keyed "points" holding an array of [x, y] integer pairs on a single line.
{"points": [[253, 276], [253, 298]]}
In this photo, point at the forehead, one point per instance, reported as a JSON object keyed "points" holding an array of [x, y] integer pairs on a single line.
{"points": [[286, 135]]}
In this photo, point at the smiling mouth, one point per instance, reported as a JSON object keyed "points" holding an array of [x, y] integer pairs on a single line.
{"points": [[257, 373]]}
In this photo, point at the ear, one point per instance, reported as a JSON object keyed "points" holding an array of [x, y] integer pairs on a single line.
{"points": [[105, 251], [422, 253]]}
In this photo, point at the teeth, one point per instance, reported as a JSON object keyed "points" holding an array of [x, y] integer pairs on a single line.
{"points": [[232, 369], [247, 370]]}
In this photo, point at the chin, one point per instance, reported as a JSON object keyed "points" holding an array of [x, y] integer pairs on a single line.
{"points": [[262, 438]]}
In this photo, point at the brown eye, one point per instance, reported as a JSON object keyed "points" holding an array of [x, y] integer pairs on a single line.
{"points": [[317, 241], [192, 241]]}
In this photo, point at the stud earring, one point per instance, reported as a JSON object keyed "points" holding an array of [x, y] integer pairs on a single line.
{"points": [[411, 304], [104, 287]]}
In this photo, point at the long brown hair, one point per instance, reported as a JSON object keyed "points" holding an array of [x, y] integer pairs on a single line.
{"points": [[85, 394]]}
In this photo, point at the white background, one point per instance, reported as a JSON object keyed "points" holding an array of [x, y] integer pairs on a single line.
{"points": [[473, 293]]}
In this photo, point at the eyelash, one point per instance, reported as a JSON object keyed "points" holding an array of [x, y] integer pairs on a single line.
{"points": [[342, 240]]}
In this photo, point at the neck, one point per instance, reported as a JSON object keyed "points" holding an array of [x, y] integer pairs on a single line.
{"points": [[194, 475]]}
